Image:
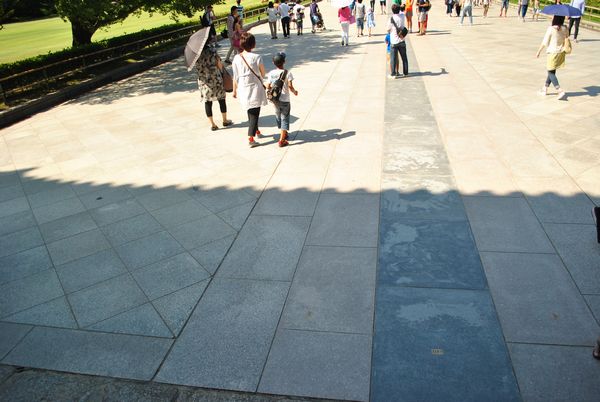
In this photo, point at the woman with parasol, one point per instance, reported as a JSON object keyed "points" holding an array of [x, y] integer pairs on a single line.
{"points": [[557, 44]]}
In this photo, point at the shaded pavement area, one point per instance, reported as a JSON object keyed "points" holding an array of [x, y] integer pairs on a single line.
{"points": [[427, 238]]}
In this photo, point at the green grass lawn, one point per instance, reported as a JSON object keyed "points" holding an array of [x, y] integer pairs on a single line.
{"points": [[27, 39]]}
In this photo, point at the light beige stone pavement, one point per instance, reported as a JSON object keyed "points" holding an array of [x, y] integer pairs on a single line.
{"points": [[501, 136]]}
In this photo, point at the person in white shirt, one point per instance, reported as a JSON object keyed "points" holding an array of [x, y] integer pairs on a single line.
{"points": [[580, 4], [467, 9], [554, 42], [397, 44], [282, 105], [284, 12], [272, 17]]}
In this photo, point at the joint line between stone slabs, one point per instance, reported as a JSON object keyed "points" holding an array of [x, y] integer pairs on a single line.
{"points": [[19, 342]]}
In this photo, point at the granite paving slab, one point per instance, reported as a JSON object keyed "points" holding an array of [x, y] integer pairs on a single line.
{"points": [[205, 230], [131, 229], [318, 364], [55, 313], [55, 194], [537, 301], [430, 254], [11, 335], [333, 290], [113, 355], [23, 264], [90, 270], [220, 199], [58, 210], [169, 275], [557, 208], [506, 224], [227, 339], [577, 247], [211, 254], [142, 320], [16, 222], [236, 216], [148, 250], [267, 248], [106, 299], [555, 373], [105, 196], [67, 227], [420, 198], [345, 220], [175, 215], [78, 246], [298, 202], [161, 198], [117, 211], [416, 160], [24, 293], [16, 242], [11, 192], [14, 206], [425, 335], [175, 308]]}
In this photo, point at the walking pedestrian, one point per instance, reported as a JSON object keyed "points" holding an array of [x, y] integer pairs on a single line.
{"points": [[486, 7], [449, 7], [272, 18], [579, 4], [467, 9], [284, 12], [240, 9], [424, 6], [504, 6], [457, 7], [282, 104], [536, 10], [556, 42], [230, 30], [397, 30], [345, 16], [370, 20], [299, 14], [210, 83], [248, 70], [408, 12], [360, 12], [314, 15], [524, 7], [383, 5]]}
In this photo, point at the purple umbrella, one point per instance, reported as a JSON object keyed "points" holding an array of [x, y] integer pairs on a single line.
{"points": [[561, 10]]}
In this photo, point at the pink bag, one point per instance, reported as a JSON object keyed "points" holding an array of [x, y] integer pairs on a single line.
{"points": [[352, 19]]}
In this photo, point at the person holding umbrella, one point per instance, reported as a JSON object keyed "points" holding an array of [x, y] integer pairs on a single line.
{"points": [[200, 55], [554, 42]]}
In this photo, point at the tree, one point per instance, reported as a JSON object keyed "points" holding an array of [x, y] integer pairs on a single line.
{"points": [[87, 16], [7, 9]]}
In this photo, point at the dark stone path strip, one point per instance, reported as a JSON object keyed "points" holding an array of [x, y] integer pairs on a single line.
{"points": [[437, 335]]}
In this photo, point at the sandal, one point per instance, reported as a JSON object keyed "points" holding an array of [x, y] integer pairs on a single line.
{"points": [[214, 128], [283, 143], [227, 123], [596, 351]]}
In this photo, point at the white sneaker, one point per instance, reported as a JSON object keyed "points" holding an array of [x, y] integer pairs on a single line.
{"points": [[543, 91], [562, 95]]}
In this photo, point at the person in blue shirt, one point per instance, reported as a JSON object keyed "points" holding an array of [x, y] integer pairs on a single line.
{"points": [[240, 8]]}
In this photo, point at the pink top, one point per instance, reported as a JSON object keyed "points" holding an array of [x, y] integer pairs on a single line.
{"points": [[344, 14]]}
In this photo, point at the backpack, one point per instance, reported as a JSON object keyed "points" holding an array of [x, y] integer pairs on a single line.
{"points": [[401, 31], [276, 89]]}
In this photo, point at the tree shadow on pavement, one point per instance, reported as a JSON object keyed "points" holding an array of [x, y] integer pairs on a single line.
{"points": [[593, 91]]}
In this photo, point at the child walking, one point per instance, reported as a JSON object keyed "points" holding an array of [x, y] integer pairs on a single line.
{"points": [[282, 105], [370, 20]]}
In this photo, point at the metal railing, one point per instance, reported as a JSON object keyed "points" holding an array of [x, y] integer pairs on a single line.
{"points": [[45, 77]]}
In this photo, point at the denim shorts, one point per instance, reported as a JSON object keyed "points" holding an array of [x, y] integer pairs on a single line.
{"points": [[282, 114], [360, 23]]}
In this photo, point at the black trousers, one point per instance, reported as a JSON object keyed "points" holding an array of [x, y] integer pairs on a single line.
{"points": [[575, 21], [285, 26], [395, 49], [253, 115], [208, 107]]}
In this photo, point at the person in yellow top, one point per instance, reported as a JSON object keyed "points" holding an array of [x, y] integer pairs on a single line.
{"points": [[408, 11]]}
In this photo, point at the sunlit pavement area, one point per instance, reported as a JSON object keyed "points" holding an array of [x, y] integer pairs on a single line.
{"points": [[425, 238]]}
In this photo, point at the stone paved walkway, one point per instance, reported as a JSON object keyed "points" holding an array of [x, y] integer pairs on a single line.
{"points": [[136, 243]]}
